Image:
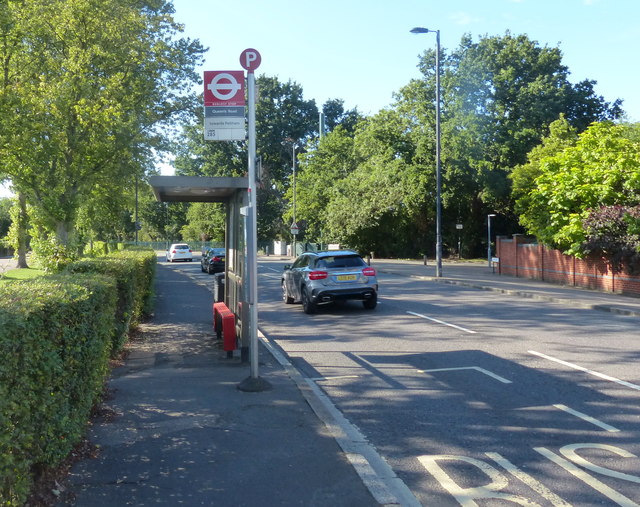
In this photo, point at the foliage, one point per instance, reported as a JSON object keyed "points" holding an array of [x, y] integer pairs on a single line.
{"points": [[283, 118], [205, 222], [56, 334], [561, 135], [602, 169], [54, 338], [499, 96], [51, 255], [613, 232], [93, 100]]}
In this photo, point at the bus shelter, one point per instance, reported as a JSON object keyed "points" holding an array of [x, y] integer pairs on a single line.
{"points": [[232, 192]]}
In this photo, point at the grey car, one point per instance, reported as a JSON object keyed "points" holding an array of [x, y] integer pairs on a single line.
{"points": [[319, 278]]}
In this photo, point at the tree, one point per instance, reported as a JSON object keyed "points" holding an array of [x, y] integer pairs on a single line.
{"points": [[335, 116], [499, 96], [561, 136], [89, 105], [205, 222], [319, 177], [602, 169], [283, 118]]}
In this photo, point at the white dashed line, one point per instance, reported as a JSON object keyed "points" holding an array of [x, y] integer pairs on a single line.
{"points": [[442, 322]]}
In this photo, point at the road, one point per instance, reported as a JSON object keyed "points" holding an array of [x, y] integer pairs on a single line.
{"points": [[474, 397]]}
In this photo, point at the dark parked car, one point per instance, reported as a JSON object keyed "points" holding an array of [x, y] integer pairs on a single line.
{"points": [[318, 278], [213, 260]]}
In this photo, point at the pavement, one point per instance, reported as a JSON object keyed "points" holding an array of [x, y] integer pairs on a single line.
{"points": [[176, 430]]}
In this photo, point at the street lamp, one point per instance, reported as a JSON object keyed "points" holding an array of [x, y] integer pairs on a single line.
{"points": [[489, 238], [438, 171], [294, 231]]}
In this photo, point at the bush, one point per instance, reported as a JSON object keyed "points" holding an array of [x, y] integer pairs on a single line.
{"points": [[55, 338], [133, 271], [56, 334]]}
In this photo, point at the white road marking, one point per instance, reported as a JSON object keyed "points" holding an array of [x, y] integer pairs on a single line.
{"points": [[442, 322], [383, 483], [569, 451], [586, 370], [466, 496], [599, 486], [337, 377], [528, 480], [587, 418], [477, 368]]}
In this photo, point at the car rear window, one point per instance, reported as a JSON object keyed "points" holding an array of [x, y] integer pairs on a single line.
{"points": [[182, 247], [342, 261]]}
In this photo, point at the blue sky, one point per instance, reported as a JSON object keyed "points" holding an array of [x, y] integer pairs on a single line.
{"points": [[361, 51]]}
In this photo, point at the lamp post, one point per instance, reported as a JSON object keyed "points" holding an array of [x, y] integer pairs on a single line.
{"points": [[295, 232], [489, 217], [438, 169]]}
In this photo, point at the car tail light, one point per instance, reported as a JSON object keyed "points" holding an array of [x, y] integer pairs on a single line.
{"points": [[318, 275], [173, 251], [369, 272], [216, 259]]}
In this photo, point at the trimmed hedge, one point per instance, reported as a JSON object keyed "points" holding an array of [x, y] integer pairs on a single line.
{"points": [[133, 271], [56, 335]]}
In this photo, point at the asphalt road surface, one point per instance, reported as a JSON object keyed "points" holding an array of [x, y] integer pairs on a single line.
{"points": [[474, 397]]}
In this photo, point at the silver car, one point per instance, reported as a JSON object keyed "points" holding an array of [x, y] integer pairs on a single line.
{"points": [[318, 278]]}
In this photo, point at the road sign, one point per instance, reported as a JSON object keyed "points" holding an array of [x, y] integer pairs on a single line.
{"points": [[250, 59], [294, 229], [224, 114], [224, 88]]}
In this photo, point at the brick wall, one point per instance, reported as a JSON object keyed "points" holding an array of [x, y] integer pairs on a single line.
{"points": [[521, 256]]}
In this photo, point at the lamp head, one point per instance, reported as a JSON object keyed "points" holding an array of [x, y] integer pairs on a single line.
{"points": [[419, 29]]}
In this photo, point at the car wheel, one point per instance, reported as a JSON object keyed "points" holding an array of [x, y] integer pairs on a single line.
{"points": [[210, 269], [285, 296], [307, 305], [371, 303]]}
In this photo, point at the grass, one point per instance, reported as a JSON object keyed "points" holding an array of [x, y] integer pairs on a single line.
{"points": [[20, 274]]}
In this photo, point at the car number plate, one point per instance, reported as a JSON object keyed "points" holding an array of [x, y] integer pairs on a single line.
{"points": [[346, 278]]}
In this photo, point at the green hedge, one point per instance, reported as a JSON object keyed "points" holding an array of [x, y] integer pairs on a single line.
{"points": [[56, 335], [133, 271]]}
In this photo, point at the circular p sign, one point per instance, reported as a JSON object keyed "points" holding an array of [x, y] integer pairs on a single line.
{"points": [[250, 59]]}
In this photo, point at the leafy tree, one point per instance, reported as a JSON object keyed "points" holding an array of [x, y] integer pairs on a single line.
{"points": [[283, 118], [602, 169], [91, 100], [320, 176], [335, 116], [561, 135], [205, 222], [499, 96]]}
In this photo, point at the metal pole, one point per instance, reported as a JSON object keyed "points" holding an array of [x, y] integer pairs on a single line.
{"points": [[295, 237], [252, 232], [438, 168], [489, 239]]}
